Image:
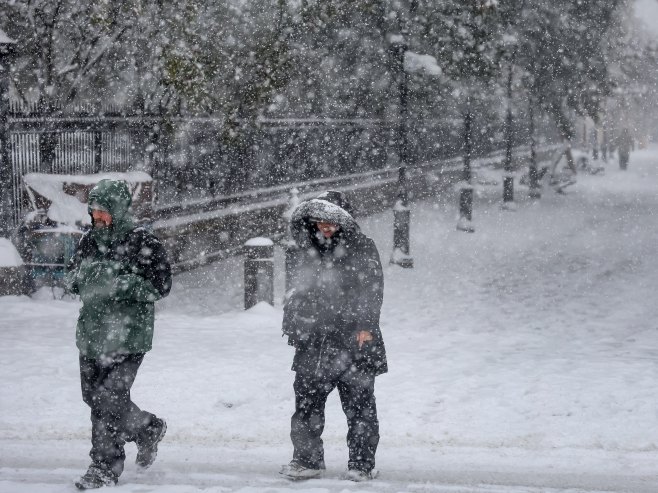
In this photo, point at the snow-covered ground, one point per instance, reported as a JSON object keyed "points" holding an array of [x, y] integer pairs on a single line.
{"points": [[523, 358]]}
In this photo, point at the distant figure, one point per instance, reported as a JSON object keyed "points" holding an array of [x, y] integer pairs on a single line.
{"points": [[119, 271], [331, 317], [624, 144]]}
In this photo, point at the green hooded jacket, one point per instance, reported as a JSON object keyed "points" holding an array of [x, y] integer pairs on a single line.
{"points": [[119, 272]]}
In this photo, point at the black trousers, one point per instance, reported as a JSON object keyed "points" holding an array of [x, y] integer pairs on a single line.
{"points": [[357, 396], [115, 419]]}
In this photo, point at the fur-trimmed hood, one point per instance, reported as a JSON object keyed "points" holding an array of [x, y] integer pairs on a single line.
{"points": [[319, 210]]}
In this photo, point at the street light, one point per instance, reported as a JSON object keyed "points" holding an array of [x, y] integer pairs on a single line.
{"points": [[508, 178], [401, 213], [7, 51]]}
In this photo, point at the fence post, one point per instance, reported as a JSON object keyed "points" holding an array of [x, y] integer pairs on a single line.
{"points": [[258, 272], [98, 151], [401, 223]]}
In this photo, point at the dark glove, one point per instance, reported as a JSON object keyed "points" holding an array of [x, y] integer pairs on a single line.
{"points": [[95, 280], [131, 287]]}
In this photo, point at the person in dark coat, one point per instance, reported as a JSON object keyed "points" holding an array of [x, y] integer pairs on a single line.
{"points": [[331, 317], [119, 271]]}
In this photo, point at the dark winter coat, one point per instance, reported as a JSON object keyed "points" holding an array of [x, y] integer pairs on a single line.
{"points": [[336, 291], [119, 272]]}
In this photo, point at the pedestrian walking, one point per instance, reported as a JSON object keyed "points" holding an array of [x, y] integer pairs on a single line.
{"points": [[331, 317], [119, 270]]}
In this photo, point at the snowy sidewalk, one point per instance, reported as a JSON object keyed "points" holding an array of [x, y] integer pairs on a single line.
{"points": [[523, 358]]}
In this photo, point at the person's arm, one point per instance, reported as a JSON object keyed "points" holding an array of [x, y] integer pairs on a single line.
{"points": [[72, 279], [152, 281], [371, 294]]}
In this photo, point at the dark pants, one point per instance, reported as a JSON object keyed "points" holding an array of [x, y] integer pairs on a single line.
{"points": [[357, 396], [115, 419]]}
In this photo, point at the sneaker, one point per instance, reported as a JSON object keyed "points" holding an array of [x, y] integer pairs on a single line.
{"points": [[357, 475], [96, 477], [296, 471], [147, 445]]}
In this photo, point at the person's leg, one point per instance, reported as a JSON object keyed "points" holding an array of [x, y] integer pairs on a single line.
{"points": [[307, 424], [115, 418], [104, 449], [132, 422], [357, 396]]}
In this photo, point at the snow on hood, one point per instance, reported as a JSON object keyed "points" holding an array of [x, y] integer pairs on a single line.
{"points": [[320, 210]]}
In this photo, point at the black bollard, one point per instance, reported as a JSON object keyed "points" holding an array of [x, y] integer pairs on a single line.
{"points": [[508, 189], [466, 209], [401, 224], [508, 193], [258, 272]]}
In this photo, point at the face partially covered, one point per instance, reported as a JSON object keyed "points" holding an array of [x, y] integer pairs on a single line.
{"points": [[101, 219], [327, 229]]}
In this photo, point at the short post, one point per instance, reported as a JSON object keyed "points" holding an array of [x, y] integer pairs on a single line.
{"points": [[258, 272], [508, 192], [401, 224]]}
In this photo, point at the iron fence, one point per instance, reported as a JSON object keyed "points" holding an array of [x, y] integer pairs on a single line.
{"points": [[198, 158]]}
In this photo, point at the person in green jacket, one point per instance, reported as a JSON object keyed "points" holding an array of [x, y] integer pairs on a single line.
{"points": [[119, 270]]}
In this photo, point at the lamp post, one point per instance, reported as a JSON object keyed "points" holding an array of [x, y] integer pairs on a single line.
{"points": [[533, 172], [401, 213], [466, 189], [508, 179], [512, 46], [7, 51]]}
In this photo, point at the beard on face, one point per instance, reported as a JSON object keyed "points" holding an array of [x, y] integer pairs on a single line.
{"points": [[99, 223]]}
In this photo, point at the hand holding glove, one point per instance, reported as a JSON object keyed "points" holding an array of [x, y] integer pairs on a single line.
{"points": [[131, 287], [94, 280]]}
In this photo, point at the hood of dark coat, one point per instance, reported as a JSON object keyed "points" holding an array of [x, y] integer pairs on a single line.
{"points": [[114, 197], [319, 210]]}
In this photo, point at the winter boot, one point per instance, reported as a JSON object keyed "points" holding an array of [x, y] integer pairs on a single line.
{"points": [[147, 443], [358, 475], [297, 471], [96, 477]]}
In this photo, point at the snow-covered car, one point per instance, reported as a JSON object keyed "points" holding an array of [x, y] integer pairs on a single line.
{"points": [[57, 217]]}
